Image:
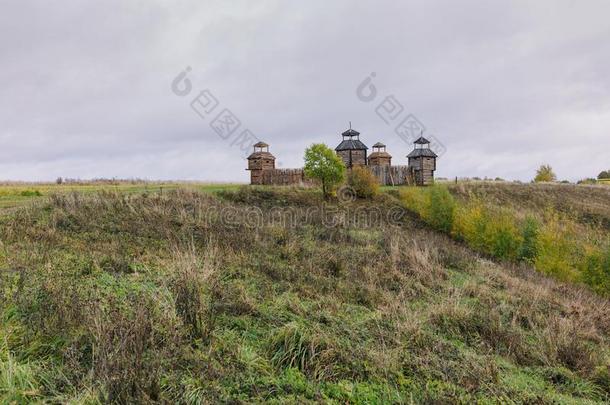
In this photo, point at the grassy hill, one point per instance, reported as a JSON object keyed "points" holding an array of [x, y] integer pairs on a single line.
{"points": [[586, 204], [271, 295], [561, 230]]}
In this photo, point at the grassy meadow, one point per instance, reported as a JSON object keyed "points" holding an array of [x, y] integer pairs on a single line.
{"points": [[16, 194], [227, 294]]}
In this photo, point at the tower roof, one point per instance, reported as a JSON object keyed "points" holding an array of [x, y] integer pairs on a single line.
{"points": [[351, 132], [421, 141], [261, 155], [379, 155], [425, 152], [351, 143]]}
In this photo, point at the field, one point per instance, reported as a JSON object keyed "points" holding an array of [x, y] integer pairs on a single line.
{"points": [[17, 194], [211, 293]]}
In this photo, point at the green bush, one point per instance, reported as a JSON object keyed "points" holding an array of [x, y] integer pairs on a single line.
{"points": [[491, 232], [596, 271], [469, 224], [441, 208], [545, 173], [504, 237], [434, 204], [529, 246], [363, 182], [556, 247], [414, 200]]}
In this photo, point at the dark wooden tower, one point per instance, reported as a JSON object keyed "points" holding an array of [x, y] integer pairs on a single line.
{"points": [[259, 161], [380, 157], [351, 149], [423, 162]]}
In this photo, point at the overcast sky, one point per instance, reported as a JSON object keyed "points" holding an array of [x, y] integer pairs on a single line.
{"points": [[503, 86]]}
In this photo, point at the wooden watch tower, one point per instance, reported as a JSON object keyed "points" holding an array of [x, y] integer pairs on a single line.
{"points": [[259, 161]]}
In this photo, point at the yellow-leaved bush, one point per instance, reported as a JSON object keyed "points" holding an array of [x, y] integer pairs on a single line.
{"points": [[549, 244], [557, 249]]}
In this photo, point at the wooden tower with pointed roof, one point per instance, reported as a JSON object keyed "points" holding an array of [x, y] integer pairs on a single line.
{"points": [[351, 149], [380, 157], [422, 160], [259, 161]]}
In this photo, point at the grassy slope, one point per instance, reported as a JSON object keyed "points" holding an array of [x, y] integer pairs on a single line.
{"points": [[587, 204], [148, 297], [562, 230]]}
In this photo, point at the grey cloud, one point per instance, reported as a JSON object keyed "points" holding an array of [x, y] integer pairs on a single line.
{"points": [[505, 86]]}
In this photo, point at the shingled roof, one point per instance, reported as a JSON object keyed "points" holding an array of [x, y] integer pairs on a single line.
{"points": [[351, 132], [261, 155], [421, 141], [425, 152], [353, 144]]}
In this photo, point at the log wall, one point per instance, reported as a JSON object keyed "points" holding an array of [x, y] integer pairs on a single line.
{"points": [[283, 177], [392, 175], [386, 176]]}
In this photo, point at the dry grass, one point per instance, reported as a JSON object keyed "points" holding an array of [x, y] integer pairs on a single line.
{"points": [[152, 298]]}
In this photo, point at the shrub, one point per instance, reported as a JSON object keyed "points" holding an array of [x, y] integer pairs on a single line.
{"points": [[529, 246], [555, 246], [434, 204], [363, 182], [588, 180], [441, 208], [545, 173], [470, 225], [596, 271], [414, 200], [494, 232], [504, 237]]}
